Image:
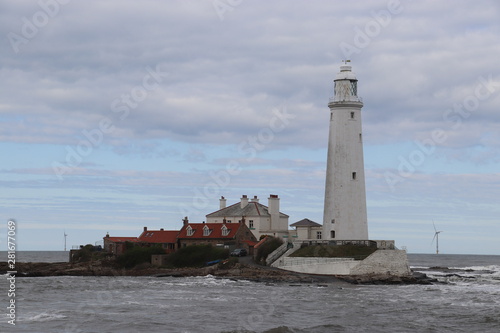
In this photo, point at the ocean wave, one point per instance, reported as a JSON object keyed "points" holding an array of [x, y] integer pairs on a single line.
{"points": [[44, 316], [494, 269]]}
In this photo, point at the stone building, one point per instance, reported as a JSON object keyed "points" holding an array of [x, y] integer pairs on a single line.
{"points": [[227, 235], [306, 229], [117, 245], [167, 239]]}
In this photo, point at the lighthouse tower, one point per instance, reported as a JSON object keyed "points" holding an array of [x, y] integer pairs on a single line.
{"points": [[344, 216]]}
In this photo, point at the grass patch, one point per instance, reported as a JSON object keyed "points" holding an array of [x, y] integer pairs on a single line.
{"points": [[335, 251]]}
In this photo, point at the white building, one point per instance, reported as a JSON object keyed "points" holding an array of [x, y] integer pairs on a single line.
{"points": [[306, 229], [260, 219], [345, 215]]}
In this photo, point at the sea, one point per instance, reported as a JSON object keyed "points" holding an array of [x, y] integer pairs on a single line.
{"points": [[465, 298]]}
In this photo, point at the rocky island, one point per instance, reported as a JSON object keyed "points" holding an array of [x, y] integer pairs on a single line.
{"points": [[239, 271]]}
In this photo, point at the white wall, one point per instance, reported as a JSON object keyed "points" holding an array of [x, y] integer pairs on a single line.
{"points": [[383, 262]]}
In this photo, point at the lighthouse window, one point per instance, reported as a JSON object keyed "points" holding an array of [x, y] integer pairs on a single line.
{"points": [[332, 234], [354, 176], [354, 88], [352, 115]]}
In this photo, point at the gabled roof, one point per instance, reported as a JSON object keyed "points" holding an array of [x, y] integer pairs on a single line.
{"points": [[121, 239], [305, 223], [251, 209], [215, 230], [249, 242], [259, 243], [158, 236]]}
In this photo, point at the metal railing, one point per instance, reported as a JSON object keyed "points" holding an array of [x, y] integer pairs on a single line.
{"points": [[354, 99], [276, 253], [368, 243]]}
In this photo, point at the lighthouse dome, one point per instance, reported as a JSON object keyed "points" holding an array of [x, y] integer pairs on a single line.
{"points": [[345, 73]]}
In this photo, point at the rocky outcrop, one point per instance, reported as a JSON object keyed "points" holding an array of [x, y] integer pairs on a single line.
{"points": [[238, 271], [414, 278]]}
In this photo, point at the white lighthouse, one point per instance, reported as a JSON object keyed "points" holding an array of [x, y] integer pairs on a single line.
{"points": [[345, 215]]}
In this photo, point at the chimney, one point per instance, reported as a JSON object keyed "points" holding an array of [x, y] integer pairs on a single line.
{"points": [[222, 204], [145, 228], [185, 221], [244, 201], [274, 210], [255, 199]]}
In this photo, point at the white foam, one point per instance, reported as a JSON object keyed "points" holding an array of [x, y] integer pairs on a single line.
{"points": [[44, 316]]}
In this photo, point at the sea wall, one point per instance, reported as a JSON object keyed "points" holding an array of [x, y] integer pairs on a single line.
{"points": [[391, 262], [385, 262]]}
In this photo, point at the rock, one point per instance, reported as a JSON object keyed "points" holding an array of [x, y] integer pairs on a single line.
{"points": [[237, 272]]}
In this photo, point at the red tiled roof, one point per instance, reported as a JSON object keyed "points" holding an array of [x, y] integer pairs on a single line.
{"points": [[250, 243], [158, 236], [121, 239], [262, 241], [215, 230]]}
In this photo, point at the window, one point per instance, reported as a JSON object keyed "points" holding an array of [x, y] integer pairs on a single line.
{"points": [[352, 115], [228, 221], [354, 176], [332, 234], [225, 231], [250, 223], [189, 231], [333, 220], [206, 231], [360, 138], [354, 88], [318, 234]]}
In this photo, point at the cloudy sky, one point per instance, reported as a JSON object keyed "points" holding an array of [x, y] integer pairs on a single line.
{"points": [[121, 114]]}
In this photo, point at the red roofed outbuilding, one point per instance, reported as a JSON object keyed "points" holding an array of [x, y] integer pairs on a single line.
{"points": [[117, 245], [166, 238]]}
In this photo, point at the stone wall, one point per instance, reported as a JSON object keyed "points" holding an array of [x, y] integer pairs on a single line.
{"points": [[391, 262], [381, 262]]}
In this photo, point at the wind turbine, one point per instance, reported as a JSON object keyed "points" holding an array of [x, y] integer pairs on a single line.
{"points": [[436, 237]]}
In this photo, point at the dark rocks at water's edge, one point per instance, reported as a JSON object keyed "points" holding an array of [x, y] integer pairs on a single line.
{"points": [[237, 272], [385, 279], [98, 268]]}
